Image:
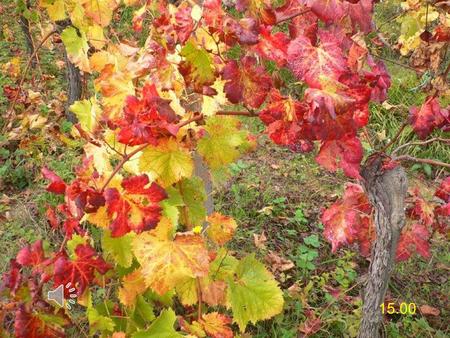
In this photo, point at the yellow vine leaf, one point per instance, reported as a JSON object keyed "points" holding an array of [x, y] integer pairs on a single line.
{"points": [[100, 11], [187, 291], [216, 324], [162, 327], [99, 218], [219, 146], [87, 112], [193, 194], [96, 36], [100, 59], [132, 286], [55, 9], [168, 262], [77, 47], [212, 104], [169, 161], [221, 228], [115, 86], [100, 157]]}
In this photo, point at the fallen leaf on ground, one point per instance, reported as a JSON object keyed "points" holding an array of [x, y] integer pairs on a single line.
{"points": [[278, 263], [260, 240], [429, 310]]}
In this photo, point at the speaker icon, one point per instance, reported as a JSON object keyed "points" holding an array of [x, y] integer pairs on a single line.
{"points": [[57, 295]]}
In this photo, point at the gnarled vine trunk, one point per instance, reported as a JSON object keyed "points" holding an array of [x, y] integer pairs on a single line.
{"points": [[25, 26], [202, 171], [387, 191], [74, 84], [74, 87]]}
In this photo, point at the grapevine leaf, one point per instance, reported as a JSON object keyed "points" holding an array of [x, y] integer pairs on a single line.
{"points": [[168, 161], [284, 116], [167, 262], [223, 266], [100, 11], [77, 47], [245, 31], [57, 185], [273, 46], [80, 271], [197, 66], [162, 327], [135, 207], [221, 228], [443, 191], [346, 219], [39, 324], [345, 153], [170, 205], [247, 83], [55, 9], [422, 209], [184, 22], [147, 118], [143, 311], [194, 196], [216, 325], [187, 291], [98, 322], [133, 285], [87, 113], [412, 239], [100, 156], [316, 64], [327, 10], [428, 117], [31, 255], [119, 248], [114, 85], [219, 145], [253, 294], [360, 14]]}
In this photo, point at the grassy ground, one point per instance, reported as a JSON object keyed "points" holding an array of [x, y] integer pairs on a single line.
{"points": [[280, 194], [273, 194]]}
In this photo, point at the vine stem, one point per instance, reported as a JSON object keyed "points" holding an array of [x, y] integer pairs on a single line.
{"points": [[199, 296], [125, 158], [292, 16], [238, 113], [421, 143], [447, 70], [422, 160], [13, 103], [395, 138]]}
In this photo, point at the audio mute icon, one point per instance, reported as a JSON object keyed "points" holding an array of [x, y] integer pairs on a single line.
{"points": [[57, 295]]}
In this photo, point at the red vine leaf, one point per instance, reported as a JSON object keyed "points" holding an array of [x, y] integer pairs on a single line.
{"points": [[428, 117], [30, 323], [273, 46], [345, 153], [316, 64], [146, 119], [79, 271], [348, 220], [136, 208], [413, 239], [31, 255], [57, 185], [247, 83]]}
